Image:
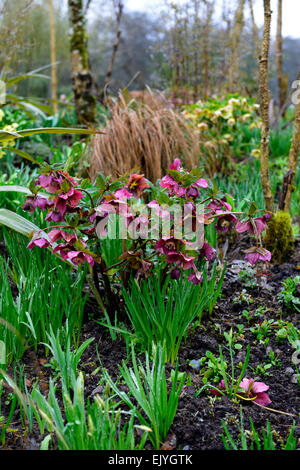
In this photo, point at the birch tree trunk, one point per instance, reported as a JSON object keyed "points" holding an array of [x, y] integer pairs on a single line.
{"points": [[53, 58], [85, 101], [264, 95]]}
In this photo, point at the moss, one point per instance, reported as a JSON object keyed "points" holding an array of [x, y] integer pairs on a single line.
{"points": [[279, 237]]}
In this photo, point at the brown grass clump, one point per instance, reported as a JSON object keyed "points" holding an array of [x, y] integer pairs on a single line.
{"points": [[143, 136]]}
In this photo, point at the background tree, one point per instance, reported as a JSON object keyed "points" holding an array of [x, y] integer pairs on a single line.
{"points": [[235, 42], [53, 58], [82, 81], [264, 96]]}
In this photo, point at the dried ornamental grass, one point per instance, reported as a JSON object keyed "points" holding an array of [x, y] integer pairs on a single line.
{"points": [[145, 137]]}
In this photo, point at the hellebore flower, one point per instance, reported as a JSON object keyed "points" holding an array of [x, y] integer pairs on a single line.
{"points": [[32, 202], [50, 182], [56, 234], [196, 277], [260, 224], [175, 165], [214, 206], [174, 188], [181, 260], [167, 245], [137, 184], [79, 257], [201, 183], [208, 252], [175, 274], [223, 221], [40, 242], [55, 216], [255, 254], [257, 390]]}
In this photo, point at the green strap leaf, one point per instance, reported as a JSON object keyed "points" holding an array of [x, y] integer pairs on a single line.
{"points": [[21, 153], [17, 222]]}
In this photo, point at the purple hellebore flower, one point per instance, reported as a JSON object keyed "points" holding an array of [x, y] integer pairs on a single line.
{"points": [[260, 223], [181, 260], [257, 390], [40, 242], [36, 201], [79, 257], [50, 182], [255, 254], [223, 221]]}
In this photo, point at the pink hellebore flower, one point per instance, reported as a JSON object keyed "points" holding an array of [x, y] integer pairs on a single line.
{"points": [[223, 221], [181, 260], [175, 165], [255, 254], [79, 257], [215, 206], [195, 277], [174, 188], [57, 234], [35, 201], [167, 245], [208, 252], [137, 184], [40, 242], [260, 224], [50, 182], [257, 390]]}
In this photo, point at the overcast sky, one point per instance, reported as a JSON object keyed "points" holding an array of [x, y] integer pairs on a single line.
{"points": [[291, 12]]}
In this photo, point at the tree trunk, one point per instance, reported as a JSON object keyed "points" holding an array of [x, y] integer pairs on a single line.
{"points": [[109, 72], [53, 58], [293, 159], [280, 81], [235, 41], [206, 30], [254, 29], [264, 95], [85, 101]]}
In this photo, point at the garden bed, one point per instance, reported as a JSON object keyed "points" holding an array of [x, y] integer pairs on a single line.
{"points": [[198, 421]]}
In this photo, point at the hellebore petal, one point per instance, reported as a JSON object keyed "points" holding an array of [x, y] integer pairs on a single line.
{"points": [[175, 165]]}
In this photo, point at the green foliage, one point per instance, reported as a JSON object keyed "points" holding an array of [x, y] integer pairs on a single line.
{"points": [[279, 236], [266, 442], [31, 302], [65, 361], [148, 386], [286, 295], [81, 425], [162, 311]]}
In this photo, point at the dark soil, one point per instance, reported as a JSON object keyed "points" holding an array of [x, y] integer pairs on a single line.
{"points": [[198, 422]]}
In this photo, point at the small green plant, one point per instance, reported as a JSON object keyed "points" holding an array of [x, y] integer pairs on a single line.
{"points": [[266, 442], [148, 386], [230, 383], [243, 298], [65, 361], [287, 295], [247, 276], [262, 330]]}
